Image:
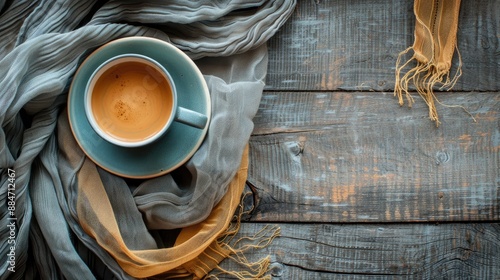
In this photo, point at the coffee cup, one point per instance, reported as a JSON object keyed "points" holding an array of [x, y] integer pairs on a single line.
{"points": [[131, 101]]}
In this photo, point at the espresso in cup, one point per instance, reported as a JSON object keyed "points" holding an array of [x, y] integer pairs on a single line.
{"points": [[131, 101]]}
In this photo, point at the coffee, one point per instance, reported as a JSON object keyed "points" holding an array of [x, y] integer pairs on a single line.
{"points": [[132, 101]]}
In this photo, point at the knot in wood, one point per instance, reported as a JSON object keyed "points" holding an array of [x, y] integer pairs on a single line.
{"points": [[276, 269], [296, 148], [442, 157]]}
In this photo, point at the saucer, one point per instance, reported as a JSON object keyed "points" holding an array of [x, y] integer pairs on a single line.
{"points": [[170, 151]]}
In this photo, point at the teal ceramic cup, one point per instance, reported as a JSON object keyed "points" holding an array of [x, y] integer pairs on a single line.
{"points": [[131, 101], [177, 144]]}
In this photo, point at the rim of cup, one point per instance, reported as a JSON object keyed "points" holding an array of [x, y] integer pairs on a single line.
{"points": [[105, 66]]}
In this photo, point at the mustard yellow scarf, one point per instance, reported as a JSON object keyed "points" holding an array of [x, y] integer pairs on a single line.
{"points": [[433, 49]]}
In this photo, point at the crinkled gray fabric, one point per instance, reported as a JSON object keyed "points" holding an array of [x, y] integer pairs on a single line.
{"points": [[42, 44]]}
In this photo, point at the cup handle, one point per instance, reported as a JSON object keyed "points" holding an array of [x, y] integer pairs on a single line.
{"points": [[191, 118]]}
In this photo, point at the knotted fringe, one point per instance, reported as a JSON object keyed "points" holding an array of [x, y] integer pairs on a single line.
{"points": [[433, 49], [206, 265], [425, 76], [236, 249]]}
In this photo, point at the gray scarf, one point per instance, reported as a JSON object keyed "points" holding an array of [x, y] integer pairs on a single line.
{"points": [[42, 44]]}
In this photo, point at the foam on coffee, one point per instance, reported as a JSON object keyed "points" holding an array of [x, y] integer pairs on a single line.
{"points": [[132, 101]]}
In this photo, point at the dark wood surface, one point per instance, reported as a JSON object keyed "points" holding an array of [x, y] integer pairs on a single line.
{"points": [[361, 187], [383, 251], [359, 157], [354, 44]]}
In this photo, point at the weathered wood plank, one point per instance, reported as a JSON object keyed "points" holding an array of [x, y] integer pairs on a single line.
{"points": [[401, 251], [358, 157], [353, 45]]}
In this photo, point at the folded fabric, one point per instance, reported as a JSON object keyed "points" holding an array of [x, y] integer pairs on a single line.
{"points": [[433, 48], [73, 220]]}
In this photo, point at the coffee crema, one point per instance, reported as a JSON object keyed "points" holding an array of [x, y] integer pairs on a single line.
{"points": [[132, 101]]}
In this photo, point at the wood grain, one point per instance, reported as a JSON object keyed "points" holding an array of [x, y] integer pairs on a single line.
{"points": [[353, 45], [358, 157], [345, 172], [416, 251]]}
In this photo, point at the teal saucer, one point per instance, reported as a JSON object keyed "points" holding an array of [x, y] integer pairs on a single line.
{"points": [[176, 146]]}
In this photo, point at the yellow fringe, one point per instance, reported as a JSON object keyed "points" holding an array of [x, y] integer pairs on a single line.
{"points": [[425, 77], [251, 270]]}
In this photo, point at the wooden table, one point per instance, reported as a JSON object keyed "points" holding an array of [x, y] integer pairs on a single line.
{"points": [[364, 188]]}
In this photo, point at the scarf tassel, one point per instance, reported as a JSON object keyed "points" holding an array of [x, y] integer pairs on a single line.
{"points": [[433, 50], [425, 76]]}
